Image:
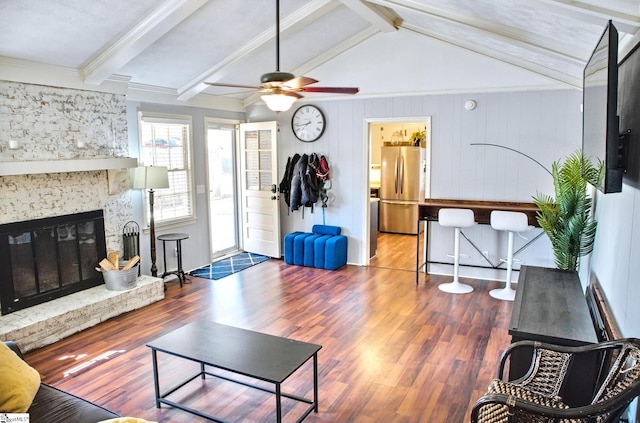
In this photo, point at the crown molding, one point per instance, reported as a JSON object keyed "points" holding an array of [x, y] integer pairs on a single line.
{"points": [[28, 72]]}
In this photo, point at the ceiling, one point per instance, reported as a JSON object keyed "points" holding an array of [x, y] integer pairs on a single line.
{"points": [[381, 46]]}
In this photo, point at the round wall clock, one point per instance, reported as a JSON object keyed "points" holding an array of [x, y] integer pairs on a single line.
{"points": [[308, 123]]}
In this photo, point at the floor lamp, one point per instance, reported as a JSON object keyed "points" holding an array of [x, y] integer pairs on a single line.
{"points": [[151, 177]]}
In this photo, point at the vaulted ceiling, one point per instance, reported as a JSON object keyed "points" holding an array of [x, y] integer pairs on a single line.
{"points": [[381, 46]]}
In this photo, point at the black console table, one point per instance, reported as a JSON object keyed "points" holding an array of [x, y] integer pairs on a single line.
{"points": [[550, 306]]}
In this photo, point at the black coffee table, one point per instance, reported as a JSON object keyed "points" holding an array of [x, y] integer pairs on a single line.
{"points": [[256, 355]]}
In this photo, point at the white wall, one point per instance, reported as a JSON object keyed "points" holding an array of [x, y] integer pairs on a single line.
{"points": [[616, 257], [195, 250], [545, 125], [615, 261]]}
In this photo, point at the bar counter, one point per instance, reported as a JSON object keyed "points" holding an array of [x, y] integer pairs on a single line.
{"points": [[428, 212]]}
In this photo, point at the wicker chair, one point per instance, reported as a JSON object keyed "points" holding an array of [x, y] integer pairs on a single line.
{"points": [[534, 397]]}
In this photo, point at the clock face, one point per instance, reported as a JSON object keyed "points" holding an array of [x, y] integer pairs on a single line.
{"points": [[308, 123]]}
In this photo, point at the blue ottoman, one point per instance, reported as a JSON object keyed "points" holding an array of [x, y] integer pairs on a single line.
{"points": [[319, 246], [326, 230], [325, 248], [298, 248], [309, 249], [288, 246], [335, 252]]}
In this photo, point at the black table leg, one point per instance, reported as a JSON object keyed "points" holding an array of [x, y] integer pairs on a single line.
{"points": [[156, 382], [315, 382], [278, 404], [418, 253], [180, 271], [164, 258], [426, 245]]}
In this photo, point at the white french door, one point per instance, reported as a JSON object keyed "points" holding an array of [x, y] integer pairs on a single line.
{"points": [[258, 192], [222, 194]]}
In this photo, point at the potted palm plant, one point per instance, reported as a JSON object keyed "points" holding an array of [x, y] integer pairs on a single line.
{"points": [[566, 219]]}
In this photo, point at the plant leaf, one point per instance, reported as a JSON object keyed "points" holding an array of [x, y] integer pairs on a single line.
{"points": [[566, 219]]}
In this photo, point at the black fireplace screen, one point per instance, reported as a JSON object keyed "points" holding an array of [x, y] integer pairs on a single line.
{"points": [[44, 259]]}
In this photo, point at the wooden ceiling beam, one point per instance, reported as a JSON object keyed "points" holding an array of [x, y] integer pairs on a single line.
{"points": [[147, 31], [488, 28], [625, 22], [383, 18]]}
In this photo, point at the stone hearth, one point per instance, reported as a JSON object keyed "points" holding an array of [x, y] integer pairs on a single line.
{"points": [[44, 324]]}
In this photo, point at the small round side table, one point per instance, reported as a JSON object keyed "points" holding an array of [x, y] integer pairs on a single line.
{"points": [[178, 238]]}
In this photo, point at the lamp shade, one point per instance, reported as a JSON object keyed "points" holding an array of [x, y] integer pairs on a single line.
{"points": [[279, 102], [151, 177]]}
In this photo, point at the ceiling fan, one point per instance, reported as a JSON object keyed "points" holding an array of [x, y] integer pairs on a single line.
{"points": [[281, 89]]}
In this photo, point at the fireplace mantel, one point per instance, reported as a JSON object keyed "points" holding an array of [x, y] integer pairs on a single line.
{"points": [[31, 167]]}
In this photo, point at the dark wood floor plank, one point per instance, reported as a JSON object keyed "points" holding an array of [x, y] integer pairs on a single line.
{"points": [[392, 351]]}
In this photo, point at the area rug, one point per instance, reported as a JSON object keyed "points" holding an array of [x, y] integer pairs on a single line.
{"points": [[220, 269]]}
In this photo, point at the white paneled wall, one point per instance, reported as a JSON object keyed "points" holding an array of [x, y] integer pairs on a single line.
{"points": [[545, 125], [615, 261]]}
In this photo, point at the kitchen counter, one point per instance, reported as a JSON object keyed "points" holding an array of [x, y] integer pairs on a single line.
{"points": [[482, 209]]}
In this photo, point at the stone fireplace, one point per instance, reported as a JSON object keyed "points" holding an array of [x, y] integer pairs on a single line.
{"points": [[73, 149], [44, 259]]}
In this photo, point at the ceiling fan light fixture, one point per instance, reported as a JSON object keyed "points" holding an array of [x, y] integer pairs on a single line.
{"points": [[279, 102], [276, 77]]}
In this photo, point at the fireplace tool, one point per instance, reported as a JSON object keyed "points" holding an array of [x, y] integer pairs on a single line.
{"points": [[131, 240]]}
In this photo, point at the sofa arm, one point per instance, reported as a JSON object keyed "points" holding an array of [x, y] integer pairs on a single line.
{"points": [[14, 347]]}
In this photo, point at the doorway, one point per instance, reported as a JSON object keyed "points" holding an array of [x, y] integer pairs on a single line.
{"points": [[390, 178], [222, 193]]}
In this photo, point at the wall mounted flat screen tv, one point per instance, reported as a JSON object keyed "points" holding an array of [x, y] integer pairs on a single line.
{"points": [[629, 111], [600, 123]]}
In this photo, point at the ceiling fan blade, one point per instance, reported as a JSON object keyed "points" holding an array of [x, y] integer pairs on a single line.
{"points": [[299, 82], [283, 91], [220, 84], [237, 92], [335, 90]]}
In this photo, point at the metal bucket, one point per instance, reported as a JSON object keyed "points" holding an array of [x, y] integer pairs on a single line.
{"points": [[120, 280]]}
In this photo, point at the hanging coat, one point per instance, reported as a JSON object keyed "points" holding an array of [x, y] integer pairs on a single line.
{"points": [[285, 183], [297, 183], [310, 182]]}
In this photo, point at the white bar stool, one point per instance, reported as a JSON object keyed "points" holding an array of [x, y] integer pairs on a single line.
{"points": [[511, 222], [457, 219]]}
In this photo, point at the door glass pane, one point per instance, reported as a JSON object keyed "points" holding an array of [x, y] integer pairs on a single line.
{"points": [[252, 162], [265, 139], [252, 181], [265, 160], [222, 197], [251, 140]]}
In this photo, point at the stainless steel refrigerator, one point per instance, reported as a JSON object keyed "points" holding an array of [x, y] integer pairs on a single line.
{"points": [[401, 187]]}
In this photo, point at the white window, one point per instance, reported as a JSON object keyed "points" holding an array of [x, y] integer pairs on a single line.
{"points": [[165, 140]]}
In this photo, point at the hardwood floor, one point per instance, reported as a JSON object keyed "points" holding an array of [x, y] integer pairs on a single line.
{"points": [[396, 251], [392, 351]]}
